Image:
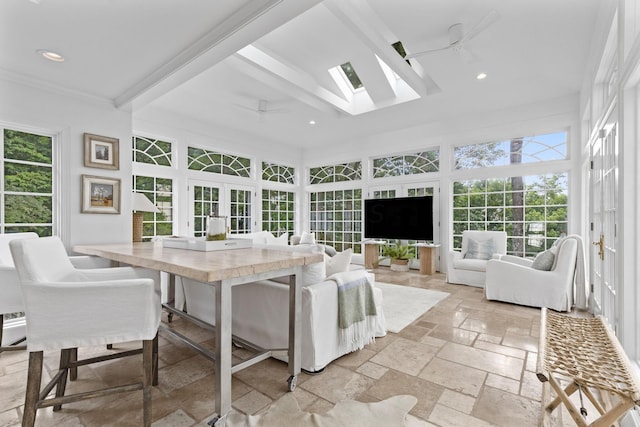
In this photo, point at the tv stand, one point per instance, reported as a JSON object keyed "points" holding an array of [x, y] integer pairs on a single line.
{"points": [[427, 257], [372, 252]]}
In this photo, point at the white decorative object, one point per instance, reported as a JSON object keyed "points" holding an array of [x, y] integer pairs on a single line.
{"points": [[201, 244]]}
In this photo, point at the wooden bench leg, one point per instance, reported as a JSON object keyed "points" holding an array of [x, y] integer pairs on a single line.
{"points": [[564, 397], [32, 395]]}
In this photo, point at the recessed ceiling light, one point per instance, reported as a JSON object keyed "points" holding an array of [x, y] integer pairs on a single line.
{"points": [[312, 122], [50, 55], [481, 76]]}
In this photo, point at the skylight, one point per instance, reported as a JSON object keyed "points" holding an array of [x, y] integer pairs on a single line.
{"points": [[351, 75], [400, 49]]}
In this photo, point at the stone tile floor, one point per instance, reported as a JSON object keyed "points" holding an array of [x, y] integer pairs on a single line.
{"points": [[469, 362]]}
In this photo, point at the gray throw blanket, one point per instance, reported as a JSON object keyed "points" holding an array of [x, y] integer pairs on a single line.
{"points": [[356, 310]]}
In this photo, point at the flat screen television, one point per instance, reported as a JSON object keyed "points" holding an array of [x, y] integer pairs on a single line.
{"points": [[409, 218]]}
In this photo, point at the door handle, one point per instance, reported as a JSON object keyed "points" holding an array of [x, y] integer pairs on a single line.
{"points": [[600, 244]]}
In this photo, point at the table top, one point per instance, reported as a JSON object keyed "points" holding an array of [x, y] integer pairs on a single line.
{"points": [[199, 265]]}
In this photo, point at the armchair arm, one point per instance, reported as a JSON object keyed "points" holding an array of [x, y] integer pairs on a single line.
{"points": [[89, 261], [75, 314], [516, 260], [11, 295]]}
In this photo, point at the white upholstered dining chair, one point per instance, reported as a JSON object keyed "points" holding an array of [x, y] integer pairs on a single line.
{"points": [[67, 308], [11, 295]]}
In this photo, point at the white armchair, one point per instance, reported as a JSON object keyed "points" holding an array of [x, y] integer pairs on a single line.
{"points": [[511, 279], [11, 295], [465, 269], [67, 308]]}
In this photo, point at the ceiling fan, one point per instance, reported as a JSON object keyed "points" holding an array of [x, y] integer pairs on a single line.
{"points": [[458, 38], [262, 108]]}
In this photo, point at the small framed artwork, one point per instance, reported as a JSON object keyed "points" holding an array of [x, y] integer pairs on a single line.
{"points": [[100, 195], [101, 152]]}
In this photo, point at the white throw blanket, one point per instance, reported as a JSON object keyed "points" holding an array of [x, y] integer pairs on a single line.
{"points": [[356, 310], [580, 278]]}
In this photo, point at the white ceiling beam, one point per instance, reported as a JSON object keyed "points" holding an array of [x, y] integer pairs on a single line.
{"points": [[295, 77], [358, 16], [247, 24], [257, 73]]}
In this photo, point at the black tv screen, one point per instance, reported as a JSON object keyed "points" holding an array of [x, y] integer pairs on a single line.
{"points": [[409, 218]]}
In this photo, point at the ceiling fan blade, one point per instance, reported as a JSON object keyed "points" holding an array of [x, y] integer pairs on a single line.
{"points": [[426, 52], [488, 20], [468, 56]]}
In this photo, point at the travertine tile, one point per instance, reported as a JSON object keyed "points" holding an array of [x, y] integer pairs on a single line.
{"points": [[372, 370], [252, 402], [459, 402], [481, 359], [502, 383], [505, 409], [454, 376], [524, 342], [405, 356], [176, 419], [448, 417], [337, 383], [460, 336], [501, 349]]}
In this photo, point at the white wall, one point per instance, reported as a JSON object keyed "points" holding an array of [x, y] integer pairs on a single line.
{"points": [[67, 117]]}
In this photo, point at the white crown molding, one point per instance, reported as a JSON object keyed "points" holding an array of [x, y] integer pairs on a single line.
{"points": [[35, 83]]}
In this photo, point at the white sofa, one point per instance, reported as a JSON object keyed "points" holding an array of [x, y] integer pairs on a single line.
{"points": [[469, 271], [511, 279], [260, 312]]}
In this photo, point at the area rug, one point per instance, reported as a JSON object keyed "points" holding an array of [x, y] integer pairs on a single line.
{"points": [[286, 412], [404, 304]]}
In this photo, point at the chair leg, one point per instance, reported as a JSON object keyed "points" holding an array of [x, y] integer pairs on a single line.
{"points": [[65, 358], [34, 377], [155, 361], [148, 378], [73, 372]]}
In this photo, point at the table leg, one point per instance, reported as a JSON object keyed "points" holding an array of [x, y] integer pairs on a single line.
{"points": [[294, 328], [223, 349]]}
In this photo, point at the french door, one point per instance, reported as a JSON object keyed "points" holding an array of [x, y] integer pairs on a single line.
{"points": [[603, 298], [236, 202]]}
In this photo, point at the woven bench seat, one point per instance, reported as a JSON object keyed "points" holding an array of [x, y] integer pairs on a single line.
{"points": [[586, 353]]}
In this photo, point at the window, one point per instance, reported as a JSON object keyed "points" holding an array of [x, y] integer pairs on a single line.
{"points": [[336, 173], [351, 75], [160, 192], [240, 208], [515, 151], [278, 173], [400, 49], [27, 183], [220, 163], [151, 151], [406, 164], [531, 209], [205, 201], [336, 218], [278, 211]]}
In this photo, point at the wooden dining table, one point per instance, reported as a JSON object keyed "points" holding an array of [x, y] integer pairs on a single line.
{"points": [[222, 269]]}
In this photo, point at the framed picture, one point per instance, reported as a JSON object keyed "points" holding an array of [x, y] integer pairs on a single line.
{"points": [[101, 152], [100, 195]]}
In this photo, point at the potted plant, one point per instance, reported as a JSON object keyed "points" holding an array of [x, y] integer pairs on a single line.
{"points": [[399, 255]]}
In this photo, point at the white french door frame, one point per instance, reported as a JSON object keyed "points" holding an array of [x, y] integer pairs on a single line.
{"points": [[224, 200], [603, 244]]}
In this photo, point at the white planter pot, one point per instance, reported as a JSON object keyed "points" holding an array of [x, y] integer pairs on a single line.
{"points": [[399, 267]]}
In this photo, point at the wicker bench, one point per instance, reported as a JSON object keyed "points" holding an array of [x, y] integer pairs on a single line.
{"points": [[585, 352]]}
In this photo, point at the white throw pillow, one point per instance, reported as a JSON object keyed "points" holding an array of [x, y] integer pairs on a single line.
{"points": [[545, 260], [279, 241], [339, 262], [308, 238], [311, 273], [480, 249]]}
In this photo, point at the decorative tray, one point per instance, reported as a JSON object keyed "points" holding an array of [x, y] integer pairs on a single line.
{"points": [[201, 244]]}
